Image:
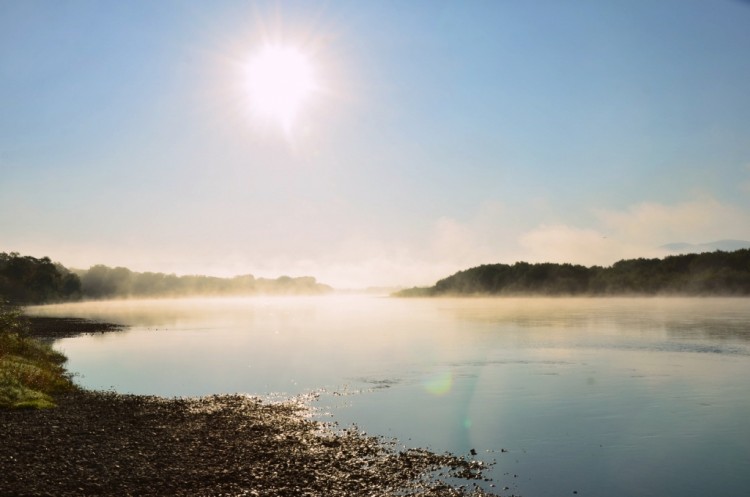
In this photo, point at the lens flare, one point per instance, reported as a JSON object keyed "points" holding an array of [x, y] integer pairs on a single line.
{"points": [[439, 384]]}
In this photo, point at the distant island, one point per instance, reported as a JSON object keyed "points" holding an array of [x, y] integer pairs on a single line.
{"points": [[709, 273], [31, 280]]}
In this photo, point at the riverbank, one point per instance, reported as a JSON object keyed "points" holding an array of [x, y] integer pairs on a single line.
{"points": [[103, 443], [53, 328]]}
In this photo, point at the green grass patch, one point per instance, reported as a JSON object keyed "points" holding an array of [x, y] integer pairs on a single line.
{"points": [[30, 371]]}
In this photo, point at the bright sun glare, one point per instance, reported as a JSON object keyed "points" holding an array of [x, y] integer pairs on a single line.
{"points": [[280, 80]]}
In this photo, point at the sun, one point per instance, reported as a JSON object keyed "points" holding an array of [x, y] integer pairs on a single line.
{"points": [[280, 81]]}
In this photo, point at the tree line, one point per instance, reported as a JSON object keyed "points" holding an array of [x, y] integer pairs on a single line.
{"points": [[30, 280], [99, 282], [709, 273]]}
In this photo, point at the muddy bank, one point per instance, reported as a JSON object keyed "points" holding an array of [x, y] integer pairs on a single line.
{"points": [[52, 328]]}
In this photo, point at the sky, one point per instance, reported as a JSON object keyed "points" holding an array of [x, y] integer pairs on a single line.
{"points": [[438, 135]]}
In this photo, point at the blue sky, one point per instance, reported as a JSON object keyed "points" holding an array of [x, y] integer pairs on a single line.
{"points": [[443, 135]]}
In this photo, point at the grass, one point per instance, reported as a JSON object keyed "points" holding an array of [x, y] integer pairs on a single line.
{"points": [[30, 371]]}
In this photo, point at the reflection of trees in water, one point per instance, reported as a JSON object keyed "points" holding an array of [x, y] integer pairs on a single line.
{"points": [[170, 313], [714, 318], [553, 312], [713, 328]]}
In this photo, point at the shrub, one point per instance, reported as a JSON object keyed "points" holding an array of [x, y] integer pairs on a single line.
{"points": [[30, 371]]}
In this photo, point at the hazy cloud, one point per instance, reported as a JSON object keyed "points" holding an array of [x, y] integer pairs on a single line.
{"points": [[638, 231], [696, 221], [562, 243], [494, 233], [454, 240]]}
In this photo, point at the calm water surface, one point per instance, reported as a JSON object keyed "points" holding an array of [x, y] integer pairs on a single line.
{"points": [[603, 397]]}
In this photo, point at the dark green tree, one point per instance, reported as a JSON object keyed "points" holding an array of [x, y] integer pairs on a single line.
{"points": [[28, 280], [710, 273]]}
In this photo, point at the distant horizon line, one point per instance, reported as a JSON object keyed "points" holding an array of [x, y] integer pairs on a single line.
{"points": [[676, 247]]}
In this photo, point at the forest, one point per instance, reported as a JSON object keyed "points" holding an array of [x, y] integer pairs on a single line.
{"points": [[31, 280], [28, 280], [105, 282], [709, 273]]}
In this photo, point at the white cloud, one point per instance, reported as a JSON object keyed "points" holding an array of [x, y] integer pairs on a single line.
{"points": [[495, 233], [454, 240], [696, 221], [561, 243], [638, 231]]}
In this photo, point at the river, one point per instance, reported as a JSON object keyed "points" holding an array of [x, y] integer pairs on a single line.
{"points": [[568, 396]]}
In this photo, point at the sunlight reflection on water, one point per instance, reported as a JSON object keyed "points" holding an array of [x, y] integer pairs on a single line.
{"points": [[603, 396]]}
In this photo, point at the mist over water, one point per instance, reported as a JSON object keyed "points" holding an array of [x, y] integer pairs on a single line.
{"points": [[603, 396]]}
